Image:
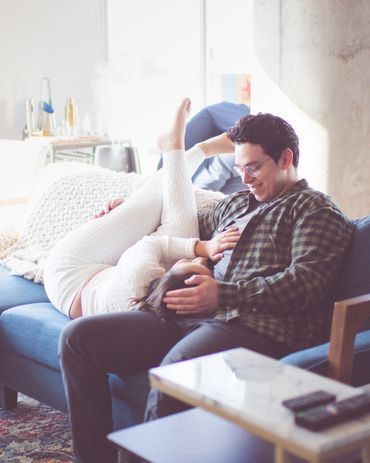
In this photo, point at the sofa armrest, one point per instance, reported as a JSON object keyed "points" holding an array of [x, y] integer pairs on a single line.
{"points": [[347, 319]]}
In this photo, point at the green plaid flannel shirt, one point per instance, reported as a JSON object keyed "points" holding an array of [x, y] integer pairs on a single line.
{"points": [[281, 271]]}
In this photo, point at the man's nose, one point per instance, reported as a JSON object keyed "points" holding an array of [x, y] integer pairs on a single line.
{"points": [[246, 178]]}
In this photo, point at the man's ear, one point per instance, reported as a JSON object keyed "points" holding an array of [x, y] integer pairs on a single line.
{"points": [[286, 158]]}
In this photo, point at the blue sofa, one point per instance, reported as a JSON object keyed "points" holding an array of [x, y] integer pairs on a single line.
{"points": [[30, 327]]}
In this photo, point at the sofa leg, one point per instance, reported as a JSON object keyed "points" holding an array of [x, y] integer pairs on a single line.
{"points": [[8, 397]]}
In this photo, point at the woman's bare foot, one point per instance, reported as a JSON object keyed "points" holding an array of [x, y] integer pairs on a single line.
{"points": [[217, 145], [174, 138]]}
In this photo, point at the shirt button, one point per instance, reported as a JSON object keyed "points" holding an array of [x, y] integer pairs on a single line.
{"points": [[227, 307], [254, 309], [219, 229]]}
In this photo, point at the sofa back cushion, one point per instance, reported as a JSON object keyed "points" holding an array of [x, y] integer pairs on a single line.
{"points": [[15, 290], [355, 277]]}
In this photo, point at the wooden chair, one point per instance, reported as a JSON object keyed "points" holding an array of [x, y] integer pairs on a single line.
{"points": [[348, 317]]}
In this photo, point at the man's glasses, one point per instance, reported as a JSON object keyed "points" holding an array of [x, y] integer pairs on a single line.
{"points": [[252, 169]]}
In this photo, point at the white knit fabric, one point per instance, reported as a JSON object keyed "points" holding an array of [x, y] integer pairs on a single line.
{"points": [[8, 238], [61, 206]]}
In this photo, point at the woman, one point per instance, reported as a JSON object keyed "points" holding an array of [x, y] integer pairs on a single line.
{"points": [[101, 265]]}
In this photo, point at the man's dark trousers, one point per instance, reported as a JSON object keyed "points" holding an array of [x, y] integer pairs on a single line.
{"points": [[127, 343]]}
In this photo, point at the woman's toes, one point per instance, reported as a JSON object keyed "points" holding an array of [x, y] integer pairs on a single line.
{"points": [[174, 138]]}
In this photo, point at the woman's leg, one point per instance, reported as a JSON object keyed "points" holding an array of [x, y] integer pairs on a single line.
{"points": [[179, 214], [179, 211]]}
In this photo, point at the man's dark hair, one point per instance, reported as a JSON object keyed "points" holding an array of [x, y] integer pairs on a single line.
{"points": [[153, 301], [271, 132]]}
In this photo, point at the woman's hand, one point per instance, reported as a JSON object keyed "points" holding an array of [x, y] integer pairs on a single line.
{"points": [[213, 249], [108, 206]]}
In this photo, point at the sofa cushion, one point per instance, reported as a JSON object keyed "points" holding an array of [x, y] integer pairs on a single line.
{"points": [[32, 331], [355, 277], [15, 290], [316, 359]]}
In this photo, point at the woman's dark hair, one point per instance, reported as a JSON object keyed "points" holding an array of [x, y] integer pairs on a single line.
{"points": [[153, 301], [273, 133]]}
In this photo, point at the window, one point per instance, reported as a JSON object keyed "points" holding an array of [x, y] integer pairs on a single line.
{"points": [[160, 51], [154, 59]]}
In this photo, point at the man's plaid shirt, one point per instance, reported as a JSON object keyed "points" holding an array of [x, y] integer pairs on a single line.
{"points": [[283, 266]]}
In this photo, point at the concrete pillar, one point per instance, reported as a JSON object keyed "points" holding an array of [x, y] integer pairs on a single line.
{"points": [[312, 66]]}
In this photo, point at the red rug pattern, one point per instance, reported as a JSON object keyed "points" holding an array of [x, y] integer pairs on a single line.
{"points": [[34, 432]]}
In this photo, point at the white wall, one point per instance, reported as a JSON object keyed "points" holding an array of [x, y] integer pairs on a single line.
{"points": [[310, 65], [60, 39], [313, 68]]}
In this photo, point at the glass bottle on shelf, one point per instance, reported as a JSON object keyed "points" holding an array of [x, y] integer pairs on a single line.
{"points": [[46, 111], [71, 116]]}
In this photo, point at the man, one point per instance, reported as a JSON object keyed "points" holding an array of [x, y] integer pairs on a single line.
{"points": [[268, 294]]}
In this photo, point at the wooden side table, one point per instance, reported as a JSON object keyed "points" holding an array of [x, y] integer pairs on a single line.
{"points": [[248, 389], [193, 436], [198, 436], [82, 149]]}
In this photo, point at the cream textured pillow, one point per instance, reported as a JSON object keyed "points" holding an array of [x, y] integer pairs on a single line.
{"points": [[8, 238], [65, 201]]}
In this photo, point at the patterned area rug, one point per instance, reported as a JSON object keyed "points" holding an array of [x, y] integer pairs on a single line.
{"points": [[34, 432]]}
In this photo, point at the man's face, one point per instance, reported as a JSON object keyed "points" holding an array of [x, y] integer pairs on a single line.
{"points": [[268, 179]]}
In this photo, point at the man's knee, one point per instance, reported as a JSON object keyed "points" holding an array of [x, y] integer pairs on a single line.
{"points": [[75, 334], [174, 356], [211, 336]]}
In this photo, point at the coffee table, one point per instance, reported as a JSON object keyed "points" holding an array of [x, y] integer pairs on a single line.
{"points": [[193, 436], [247, 388]]}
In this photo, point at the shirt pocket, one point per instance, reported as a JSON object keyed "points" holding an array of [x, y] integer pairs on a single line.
{"points": [[273, 253]]}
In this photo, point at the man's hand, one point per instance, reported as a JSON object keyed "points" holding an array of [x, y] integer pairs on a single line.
{"points": [[213, 249], [108, 206], [202, 297]]}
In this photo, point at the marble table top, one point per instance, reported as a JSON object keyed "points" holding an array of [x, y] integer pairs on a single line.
{"points": [[248, 389]]}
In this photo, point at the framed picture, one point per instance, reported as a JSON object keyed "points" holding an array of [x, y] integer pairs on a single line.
{"points": [[236, 88]]}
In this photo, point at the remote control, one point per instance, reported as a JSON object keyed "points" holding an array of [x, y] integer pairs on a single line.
{"points": [[326, 415], [303, 402]]}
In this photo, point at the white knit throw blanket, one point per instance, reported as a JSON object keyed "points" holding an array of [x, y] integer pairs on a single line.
{"points": [[66, 203]]}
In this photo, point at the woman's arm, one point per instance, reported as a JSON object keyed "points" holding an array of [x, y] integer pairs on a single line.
{"points": [[213, 249], [169, 249]]}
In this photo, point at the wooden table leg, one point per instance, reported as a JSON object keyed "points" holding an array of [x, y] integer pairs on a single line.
{"points": [[366, 454], [281, 456]]}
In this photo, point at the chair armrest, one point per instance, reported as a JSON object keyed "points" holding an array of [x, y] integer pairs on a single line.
{"points": [[348, 317]]}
